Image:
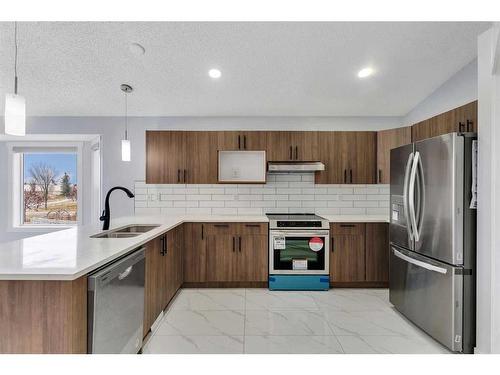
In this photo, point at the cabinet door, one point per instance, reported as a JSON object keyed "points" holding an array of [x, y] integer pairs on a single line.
{"points": [[362, 157], [201, 158], [221, 257], [253, 141], [377, 252], [304, 145], [154, 283], [330, 152], [279, 146], [347, 261], [179, 256], [387, 140], [194, 252], [467, 116], [421, 130], [252, 263], [165, 157]]}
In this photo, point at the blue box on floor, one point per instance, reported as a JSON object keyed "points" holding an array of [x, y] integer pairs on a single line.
{"points": [[299, 282]]}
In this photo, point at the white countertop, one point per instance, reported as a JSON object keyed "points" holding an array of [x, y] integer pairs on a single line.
{"points": [[71, 253]]}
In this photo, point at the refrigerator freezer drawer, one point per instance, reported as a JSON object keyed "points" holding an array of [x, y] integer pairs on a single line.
{"points": [[430, 294]]}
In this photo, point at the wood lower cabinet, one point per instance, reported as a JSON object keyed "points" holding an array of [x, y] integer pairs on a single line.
{"points": [[387, 140], [164, 273], [155, 282], [347, 252], [359, 254], [195, 246], [236, 252], [377, 252]]}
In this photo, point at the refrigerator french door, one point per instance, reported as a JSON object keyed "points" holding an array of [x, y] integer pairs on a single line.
{"points": [[432, 235]]}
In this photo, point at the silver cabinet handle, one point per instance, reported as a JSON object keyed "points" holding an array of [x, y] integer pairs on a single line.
{"points": [[411, 196], [405, 194], [419, 263], [125, 273]]}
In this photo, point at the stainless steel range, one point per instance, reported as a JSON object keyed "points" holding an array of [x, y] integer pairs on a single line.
{"points": [[298, 252]]}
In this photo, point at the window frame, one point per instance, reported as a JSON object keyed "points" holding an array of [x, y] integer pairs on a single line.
{"points": [[16, 176]]}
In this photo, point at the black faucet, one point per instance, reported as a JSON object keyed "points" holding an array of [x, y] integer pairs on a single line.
{"points": [[106, 213]]}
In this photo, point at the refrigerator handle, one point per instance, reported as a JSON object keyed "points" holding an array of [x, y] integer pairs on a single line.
{"points": [[405, 195], [411, 196], [419, 263], [420, 197]]}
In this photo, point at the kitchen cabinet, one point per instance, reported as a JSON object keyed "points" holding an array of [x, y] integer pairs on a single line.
{"points": [[349, 157], [460, 119], [155, 281], [387, 140], [347, 252], [292, 146], [377, 252], [181, 157], [194, 253], [43, 316], [163, 274], [241, 140], [236, 252], [165, 157]]}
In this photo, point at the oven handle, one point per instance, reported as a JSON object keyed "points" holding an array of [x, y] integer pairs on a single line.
{"points": [[299, 234]]}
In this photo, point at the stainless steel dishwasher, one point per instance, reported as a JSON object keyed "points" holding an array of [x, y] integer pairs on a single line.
{"points": [[116, 306]]}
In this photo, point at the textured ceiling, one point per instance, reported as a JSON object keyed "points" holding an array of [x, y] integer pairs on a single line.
{"points": [[268, 69]]}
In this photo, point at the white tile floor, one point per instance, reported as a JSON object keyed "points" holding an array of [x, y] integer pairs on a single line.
{"points": [[261, 321]]}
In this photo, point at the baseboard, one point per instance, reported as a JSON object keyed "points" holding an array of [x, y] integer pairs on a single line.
{"points": [[226, 284], [359, 284]]}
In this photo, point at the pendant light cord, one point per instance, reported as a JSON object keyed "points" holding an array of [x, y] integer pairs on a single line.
{"points": [[15, 58], [126, 116]]}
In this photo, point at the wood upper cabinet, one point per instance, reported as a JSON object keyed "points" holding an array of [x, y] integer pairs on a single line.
{"points": [[460, 119], [377, 252], [362, 157], [242, 140], [387, 140], [292, 146], [200, 157], [165, 157], [347, 252], [331, 153], [195, 246], [349, 157]]}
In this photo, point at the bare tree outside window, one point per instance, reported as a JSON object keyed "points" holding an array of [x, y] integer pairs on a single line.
{"points": [[44, 176]]}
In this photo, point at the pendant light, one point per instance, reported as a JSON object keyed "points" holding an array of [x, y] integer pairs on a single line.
{"points": [[127, 89], [15, 105]]}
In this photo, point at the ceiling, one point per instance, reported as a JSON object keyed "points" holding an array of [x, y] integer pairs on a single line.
{"points": [[268, 69]]}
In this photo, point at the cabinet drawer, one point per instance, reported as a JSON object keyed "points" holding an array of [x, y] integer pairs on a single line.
{"points": [[252, 228], [221, 228], [347, 228]]}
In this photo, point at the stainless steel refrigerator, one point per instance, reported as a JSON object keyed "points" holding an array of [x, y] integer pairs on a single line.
{"points": [[433, 237]]}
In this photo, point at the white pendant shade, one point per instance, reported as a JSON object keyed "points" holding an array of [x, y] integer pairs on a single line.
{"points": [[125, 150], [15, 115]]}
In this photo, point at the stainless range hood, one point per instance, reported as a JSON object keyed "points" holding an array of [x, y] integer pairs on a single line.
{"points": [[297, 166]]}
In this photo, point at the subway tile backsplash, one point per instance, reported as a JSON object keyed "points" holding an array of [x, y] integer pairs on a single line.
{"points": [[290, 192]]}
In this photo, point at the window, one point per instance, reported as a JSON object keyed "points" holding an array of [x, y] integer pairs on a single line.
{"points": [[46, 184], [50, 188]]}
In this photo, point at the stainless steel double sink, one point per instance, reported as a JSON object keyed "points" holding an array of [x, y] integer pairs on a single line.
{"points": [[127, 231]]}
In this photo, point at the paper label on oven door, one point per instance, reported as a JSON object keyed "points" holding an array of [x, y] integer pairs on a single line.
{"points": [[279, 243], [299, 264], [395, 215]]}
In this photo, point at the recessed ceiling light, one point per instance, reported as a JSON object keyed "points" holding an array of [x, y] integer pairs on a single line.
{"points": [[365, 72], [214, 73], [137, 49]]}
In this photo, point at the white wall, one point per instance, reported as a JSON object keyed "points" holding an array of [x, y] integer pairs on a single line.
{"points": [[116, 172], [488, 237], [460, 89]]}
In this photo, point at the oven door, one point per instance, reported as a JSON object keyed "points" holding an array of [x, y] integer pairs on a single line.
{"points": [[299, 252]]}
